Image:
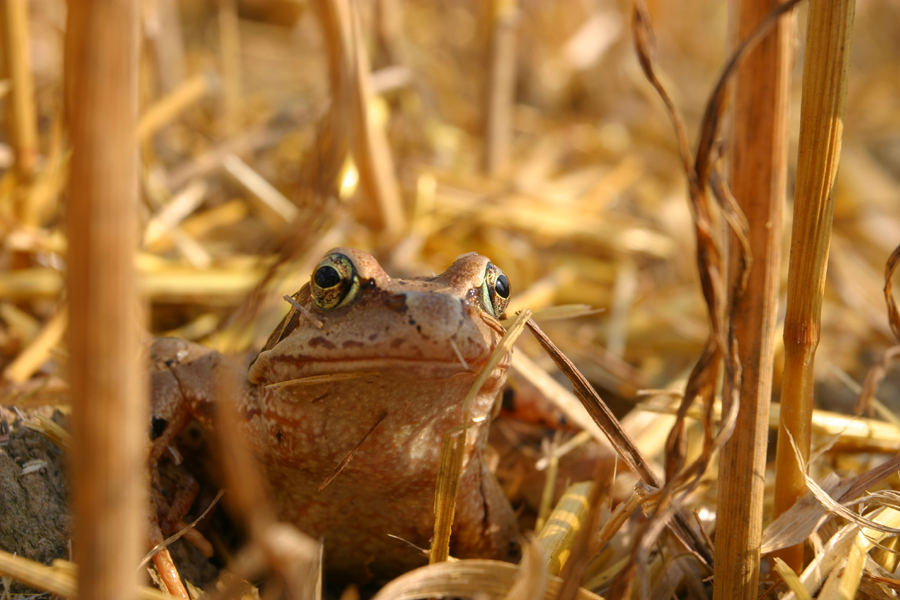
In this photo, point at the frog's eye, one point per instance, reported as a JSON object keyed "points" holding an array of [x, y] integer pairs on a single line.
{"points": [[494, 291], [334, 282]]}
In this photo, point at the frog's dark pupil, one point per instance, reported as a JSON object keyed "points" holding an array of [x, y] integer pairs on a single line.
{"points": [[327, 276], [502, 286]]}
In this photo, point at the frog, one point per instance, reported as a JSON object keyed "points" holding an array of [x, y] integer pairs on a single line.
{"points": [[346, 407]]}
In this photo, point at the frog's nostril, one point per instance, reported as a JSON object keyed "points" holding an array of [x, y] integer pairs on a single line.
{"points": [[157, 426]]}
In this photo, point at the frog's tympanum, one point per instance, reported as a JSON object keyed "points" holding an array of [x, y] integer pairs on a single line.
{"points": [[374, 368]]}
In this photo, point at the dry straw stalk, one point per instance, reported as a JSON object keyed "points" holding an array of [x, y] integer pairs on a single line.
{"points": [[352, 95], [108, 390], [821, 124], [758, 173], [500, 85], [21, 114]]}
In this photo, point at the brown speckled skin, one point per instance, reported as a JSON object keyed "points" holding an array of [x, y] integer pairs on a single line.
{"points": [[397, 341]]}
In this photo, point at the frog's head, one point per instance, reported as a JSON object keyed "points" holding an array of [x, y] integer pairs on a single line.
{"points": [[353, 317]]}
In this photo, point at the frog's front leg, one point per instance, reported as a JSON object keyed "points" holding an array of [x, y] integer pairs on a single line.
{"points": [[185, 383], [485, 524], [184, 386]]}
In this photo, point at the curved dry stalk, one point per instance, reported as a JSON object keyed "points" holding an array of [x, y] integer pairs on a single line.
{"points": [[893, 313]]}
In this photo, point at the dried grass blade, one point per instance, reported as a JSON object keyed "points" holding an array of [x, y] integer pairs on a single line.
{"points": [[830, 563], [843, 583], [319, 379], [642, 35], [165, 42], [796, 524], [561, 397], [271, 200], [584, 545], [181, 532], [449, 472], [550, 462], [51, 430], [349, 455], [836, 507], [598, 410], [832, 556]]}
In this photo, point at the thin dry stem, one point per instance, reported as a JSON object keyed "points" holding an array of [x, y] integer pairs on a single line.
{"points": [[822, 107]]}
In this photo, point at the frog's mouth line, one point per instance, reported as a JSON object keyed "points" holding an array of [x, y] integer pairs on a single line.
{"points": [[322, 371]]}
